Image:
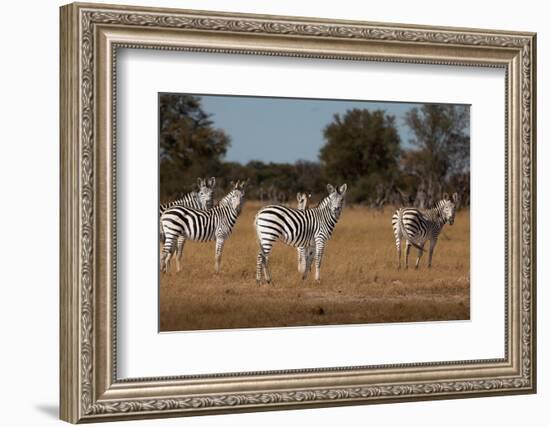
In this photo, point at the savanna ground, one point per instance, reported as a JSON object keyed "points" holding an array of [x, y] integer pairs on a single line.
{"points": [[359, 279]]}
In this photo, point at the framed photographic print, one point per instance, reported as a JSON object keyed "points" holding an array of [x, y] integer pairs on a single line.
{"points": [[265, 212]]}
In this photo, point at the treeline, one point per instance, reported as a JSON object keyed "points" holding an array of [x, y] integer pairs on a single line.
{"points": [[362, 148]]}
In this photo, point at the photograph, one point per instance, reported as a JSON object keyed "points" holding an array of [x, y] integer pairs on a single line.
{"points": [[278, 212]]}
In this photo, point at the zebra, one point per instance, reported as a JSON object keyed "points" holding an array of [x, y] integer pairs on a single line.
{"points": [[297, 228], [416, 226], [306, 254], [201, 199], [180, 223]]}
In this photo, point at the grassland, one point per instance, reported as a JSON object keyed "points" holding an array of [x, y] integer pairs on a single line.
{"points": [[359, 280]]}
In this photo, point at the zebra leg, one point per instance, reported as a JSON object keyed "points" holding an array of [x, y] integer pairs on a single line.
{"points": [[166, 254], [267, 274], [398, 247], [309, 256], [397, 234], [407, 251], [319, 249], [259, 268], [262, 263], [301, 265], [420, 252], [303, 261], [219, 250], [179, 251], [164, 262], [430, 254], [262, 269]]}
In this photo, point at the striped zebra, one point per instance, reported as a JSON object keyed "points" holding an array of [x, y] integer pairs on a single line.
{"points": [[417, 226], [306, 254], [180, 223], [201, 199], [297, 228]]}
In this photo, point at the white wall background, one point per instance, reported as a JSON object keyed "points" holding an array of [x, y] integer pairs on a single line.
{"points": [[29, 170]]}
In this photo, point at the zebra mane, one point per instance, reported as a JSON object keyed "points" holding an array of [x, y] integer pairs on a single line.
{"points": [[192, 195], [224, 201], [324, 201]]}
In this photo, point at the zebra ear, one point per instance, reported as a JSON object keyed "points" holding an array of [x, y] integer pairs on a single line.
{"points": [[200, 182], [330, 189], [236, 184], [343, 188], [445, 196], [455, 197], [298, 196], [211, 182]]}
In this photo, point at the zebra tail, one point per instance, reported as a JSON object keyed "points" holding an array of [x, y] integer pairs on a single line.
{"points": [[404, 230], [162, 236], [258, 239]]}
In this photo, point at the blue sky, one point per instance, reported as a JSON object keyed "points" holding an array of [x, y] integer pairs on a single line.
{"points": [[282, 129]]}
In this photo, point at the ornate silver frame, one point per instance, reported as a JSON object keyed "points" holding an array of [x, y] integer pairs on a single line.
{"points": [[90, 36]]}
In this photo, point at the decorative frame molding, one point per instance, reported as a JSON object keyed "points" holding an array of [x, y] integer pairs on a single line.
{"points": [[90, 36]]}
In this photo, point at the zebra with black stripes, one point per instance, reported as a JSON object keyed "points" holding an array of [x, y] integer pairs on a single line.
{"points": [[203, 198], [306, 254], [297, 228], [180, 223], [417, 226]]}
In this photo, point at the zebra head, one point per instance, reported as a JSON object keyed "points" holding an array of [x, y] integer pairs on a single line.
{"points": [[335, 199], [448, 207], [206, 192], [303, 199], [235, 198]]}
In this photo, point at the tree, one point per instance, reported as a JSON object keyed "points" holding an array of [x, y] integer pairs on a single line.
{"points": [[310, 177], [189, 144], [442, 146], [361, 149]]}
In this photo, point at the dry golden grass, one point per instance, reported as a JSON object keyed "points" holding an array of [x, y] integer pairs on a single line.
{"points": [[359, 280]]}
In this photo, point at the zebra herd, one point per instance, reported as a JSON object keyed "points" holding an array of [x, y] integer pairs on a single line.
{"points": [[195, 217]]}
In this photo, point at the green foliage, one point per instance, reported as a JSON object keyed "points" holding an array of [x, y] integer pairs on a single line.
{"points": [[362, 149], [189, 144], [442, 147], [276, 181]]}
